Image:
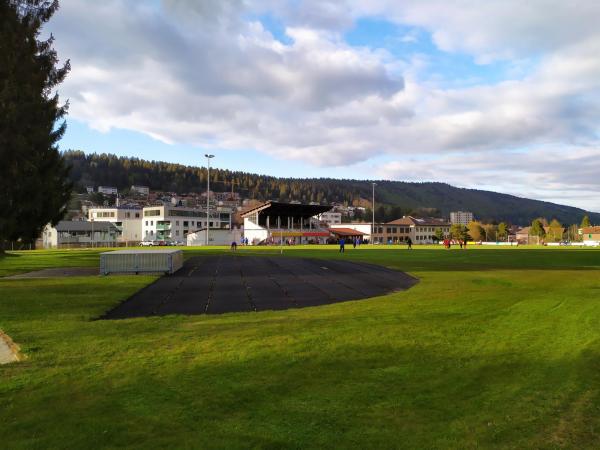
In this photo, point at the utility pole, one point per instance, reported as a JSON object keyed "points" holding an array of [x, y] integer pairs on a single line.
{"points": [[208, 158], [373, 218]]}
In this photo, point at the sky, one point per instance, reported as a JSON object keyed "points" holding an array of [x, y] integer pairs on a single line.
{"points": [[501, 95]]}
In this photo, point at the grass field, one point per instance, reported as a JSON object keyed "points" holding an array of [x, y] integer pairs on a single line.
{"points": [[493, 348]]}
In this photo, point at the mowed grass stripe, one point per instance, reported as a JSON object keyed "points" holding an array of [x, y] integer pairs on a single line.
{"points": [[478, 354]]}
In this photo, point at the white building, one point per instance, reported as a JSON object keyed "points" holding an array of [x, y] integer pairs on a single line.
{"points": [[127, 220], [108, 190], [168, 222], [330, 218], [142, 190], [461, 217], [77, 234]]}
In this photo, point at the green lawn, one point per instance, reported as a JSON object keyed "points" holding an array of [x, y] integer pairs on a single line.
{"points": [[493, 348]]}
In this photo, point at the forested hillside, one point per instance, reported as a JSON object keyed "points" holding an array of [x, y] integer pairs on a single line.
{"points": [[393, 198]]}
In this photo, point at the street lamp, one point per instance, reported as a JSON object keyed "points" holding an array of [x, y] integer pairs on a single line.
{"points": [[208, 158], [373, 211]]}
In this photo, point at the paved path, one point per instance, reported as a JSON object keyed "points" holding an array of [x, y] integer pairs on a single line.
{"points": [[230, 283], [6, 353]]}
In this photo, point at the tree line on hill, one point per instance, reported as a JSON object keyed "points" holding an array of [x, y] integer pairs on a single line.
{"points": [[393, 198]]}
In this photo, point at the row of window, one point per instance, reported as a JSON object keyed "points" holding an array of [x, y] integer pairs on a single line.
{"points": [[392, 230], [151, 233], [182, 213], [430, 229], [403, 230], [186, 223]]}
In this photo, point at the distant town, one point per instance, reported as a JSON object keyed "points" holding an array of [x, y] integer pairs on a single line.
{"points": [[104, 217]]}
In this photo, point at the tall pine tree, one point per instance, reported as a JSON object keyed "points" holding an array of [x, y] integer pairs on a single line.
{"points": [[34, 182]]}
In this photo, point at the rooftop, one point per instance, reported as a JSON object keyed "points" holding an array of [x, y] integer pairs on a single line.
{"points": [[422, 221], [275, 209], [80, 225], [346, 232]]}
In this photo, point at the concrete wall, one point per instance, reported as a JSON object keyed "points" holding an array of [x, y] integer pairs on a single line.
{"points": [[215, 237]]}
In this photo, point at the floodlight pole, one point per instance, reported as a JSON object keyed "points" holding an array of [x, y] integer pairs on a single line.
{"points": [[208, 158], [373, 218]]}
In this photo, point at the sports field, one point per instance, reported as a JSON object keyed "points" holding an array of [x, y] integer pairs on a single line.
{"points": [[494, 347]]}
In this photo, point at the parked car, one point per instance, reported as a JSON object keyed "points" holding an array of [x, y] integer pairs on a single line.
{"points": [[147, 243]]}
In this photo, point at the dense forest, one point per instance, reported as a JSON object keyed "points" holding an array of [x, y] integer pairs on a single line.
{"points": [[393, 198]]}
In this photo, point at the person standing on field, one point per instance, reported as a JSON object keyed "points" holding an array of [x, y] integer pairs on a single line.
{"points": [[342, 243], [409, 243]]}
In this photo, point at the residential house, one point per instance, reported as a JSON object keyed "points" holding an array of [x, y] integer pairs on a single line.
{"points": [[67, 234]]}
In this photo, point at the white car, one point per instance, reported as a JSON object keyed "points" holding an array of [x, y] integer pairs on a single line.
{"points": [[147, 243]]}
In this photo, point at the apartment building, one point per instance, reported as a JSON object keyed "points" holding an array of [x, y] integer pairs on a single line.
{"points": [[108, 190], [330, 218], [127, 220], [168, 222], [141, 190], [461, 217], [419, 230]]}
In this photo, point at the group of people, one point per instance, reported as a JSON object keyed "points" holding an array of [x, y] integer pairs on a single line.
{"points": [[461, 242], [243, 241], [355, 243]]}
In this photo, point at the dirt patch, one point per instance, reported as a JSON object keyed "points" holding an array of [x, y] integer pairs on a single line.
{"points": [[9, 351]]}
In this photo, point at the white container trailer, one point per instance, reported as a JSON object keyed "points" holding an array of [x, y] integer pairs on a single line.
{"points": [[141, 261]]}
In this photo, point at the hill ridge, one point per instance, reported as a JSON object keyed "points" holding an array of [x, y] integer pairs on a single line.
{"points": [[393, 198]]}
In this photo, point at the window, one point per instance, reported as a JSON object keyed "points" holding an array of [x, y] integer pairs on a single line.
{"points": [[151, 233], [146, 223], [137, 215], [152, 212], [177, 223], [180, 213], [152, 222], [176, 232], [185, 223], [146, 232], [128, 215]]}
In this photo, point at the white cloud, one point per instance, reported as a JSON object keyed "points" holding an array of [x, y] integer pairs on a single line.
{"points": [[558, 175], [206, 73]]}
